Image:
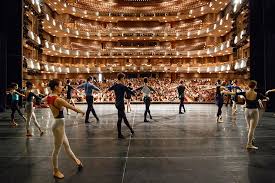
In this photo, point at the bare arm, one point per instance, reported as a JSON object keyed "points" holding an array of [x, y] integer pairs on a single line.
{"points": [[19, 94], [64, 103], [270, 91]]}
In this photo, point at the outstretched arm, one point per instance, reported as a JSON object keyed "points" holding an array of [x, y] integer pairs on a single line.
{"points": [[270, 91], [19, 93], [69, 106]]}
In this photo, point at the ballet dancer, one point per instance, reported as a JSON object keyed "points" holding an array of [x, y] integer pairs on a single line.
{"points": [[219, 98], [128, 98], [253, 102], [229, 98], [14, 103], [271, 91], [120, 89], [181, 89], [234, 98], [146, 90], [57, 105], [89, 87], [29, 109], [69, 91]]}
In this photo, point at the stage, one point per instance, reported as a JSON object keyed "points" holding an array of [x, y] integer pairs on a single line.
{"points": [[172, 148]]}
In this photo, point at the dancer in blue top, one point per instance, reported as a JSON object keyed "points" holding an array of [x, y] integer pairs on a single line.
{"points": [[89, 87], [14, 103]]}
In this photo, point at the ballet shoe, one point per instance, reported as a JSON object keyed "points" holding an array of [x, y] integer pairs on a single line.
{"points": [[58, 174], [132, 132], [41, 133], [146, 121], [251, 147], [181, 113], [253, 142], [29, 134], [120, 136], [87, 122], [79, 164], [220, 120], [13, 124], [151, 117]]}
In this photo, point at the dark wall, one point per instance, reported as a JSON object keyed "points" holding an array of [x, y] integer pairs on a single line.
{"points": [[262, 36], [10, 46]]}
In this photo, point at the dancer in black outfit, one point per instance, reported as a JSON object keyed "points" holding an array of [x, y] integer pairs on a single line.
{"points": [[128, 98], [220, 92], [69, 90], [146, 90], [120, 89], [181, 89], [89, 87]]}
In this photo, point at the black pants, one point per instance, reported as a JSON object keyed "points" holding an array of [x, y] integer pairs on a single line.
{"points": [[90, 102], [181, 104], [14, 108], [121, 115], [147, 102]]}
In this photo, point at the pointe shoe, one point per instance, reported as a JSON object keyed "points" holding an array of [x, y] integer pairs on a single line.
{"points": [[79, 164], [181, 113], [120, 136], [29, 134], [146, 121], [13, 124], [58, 174], [151, 117], [41, 133], [132, 132], [251, 147]]}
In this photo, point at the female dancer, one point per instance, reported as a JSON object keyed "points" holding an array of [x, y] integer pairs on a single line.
{"points": [[69, 90], [253, 102], [57, 105], [14, 103], [29, 109], [128, 98], [219, 98], [270, 91], [146, 90], [120, 90]]}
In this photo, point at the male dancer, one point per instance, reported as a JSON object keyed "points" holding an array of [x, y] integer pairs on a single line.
{"points": [[89, 87], [181, 89], [120, 90], [146, 90]]}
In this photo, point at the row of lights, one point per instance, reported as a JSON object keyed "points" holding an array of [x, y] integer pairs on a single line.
{"points": [[76, 33], [240, 64], [196, 53], [203, 10]]}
